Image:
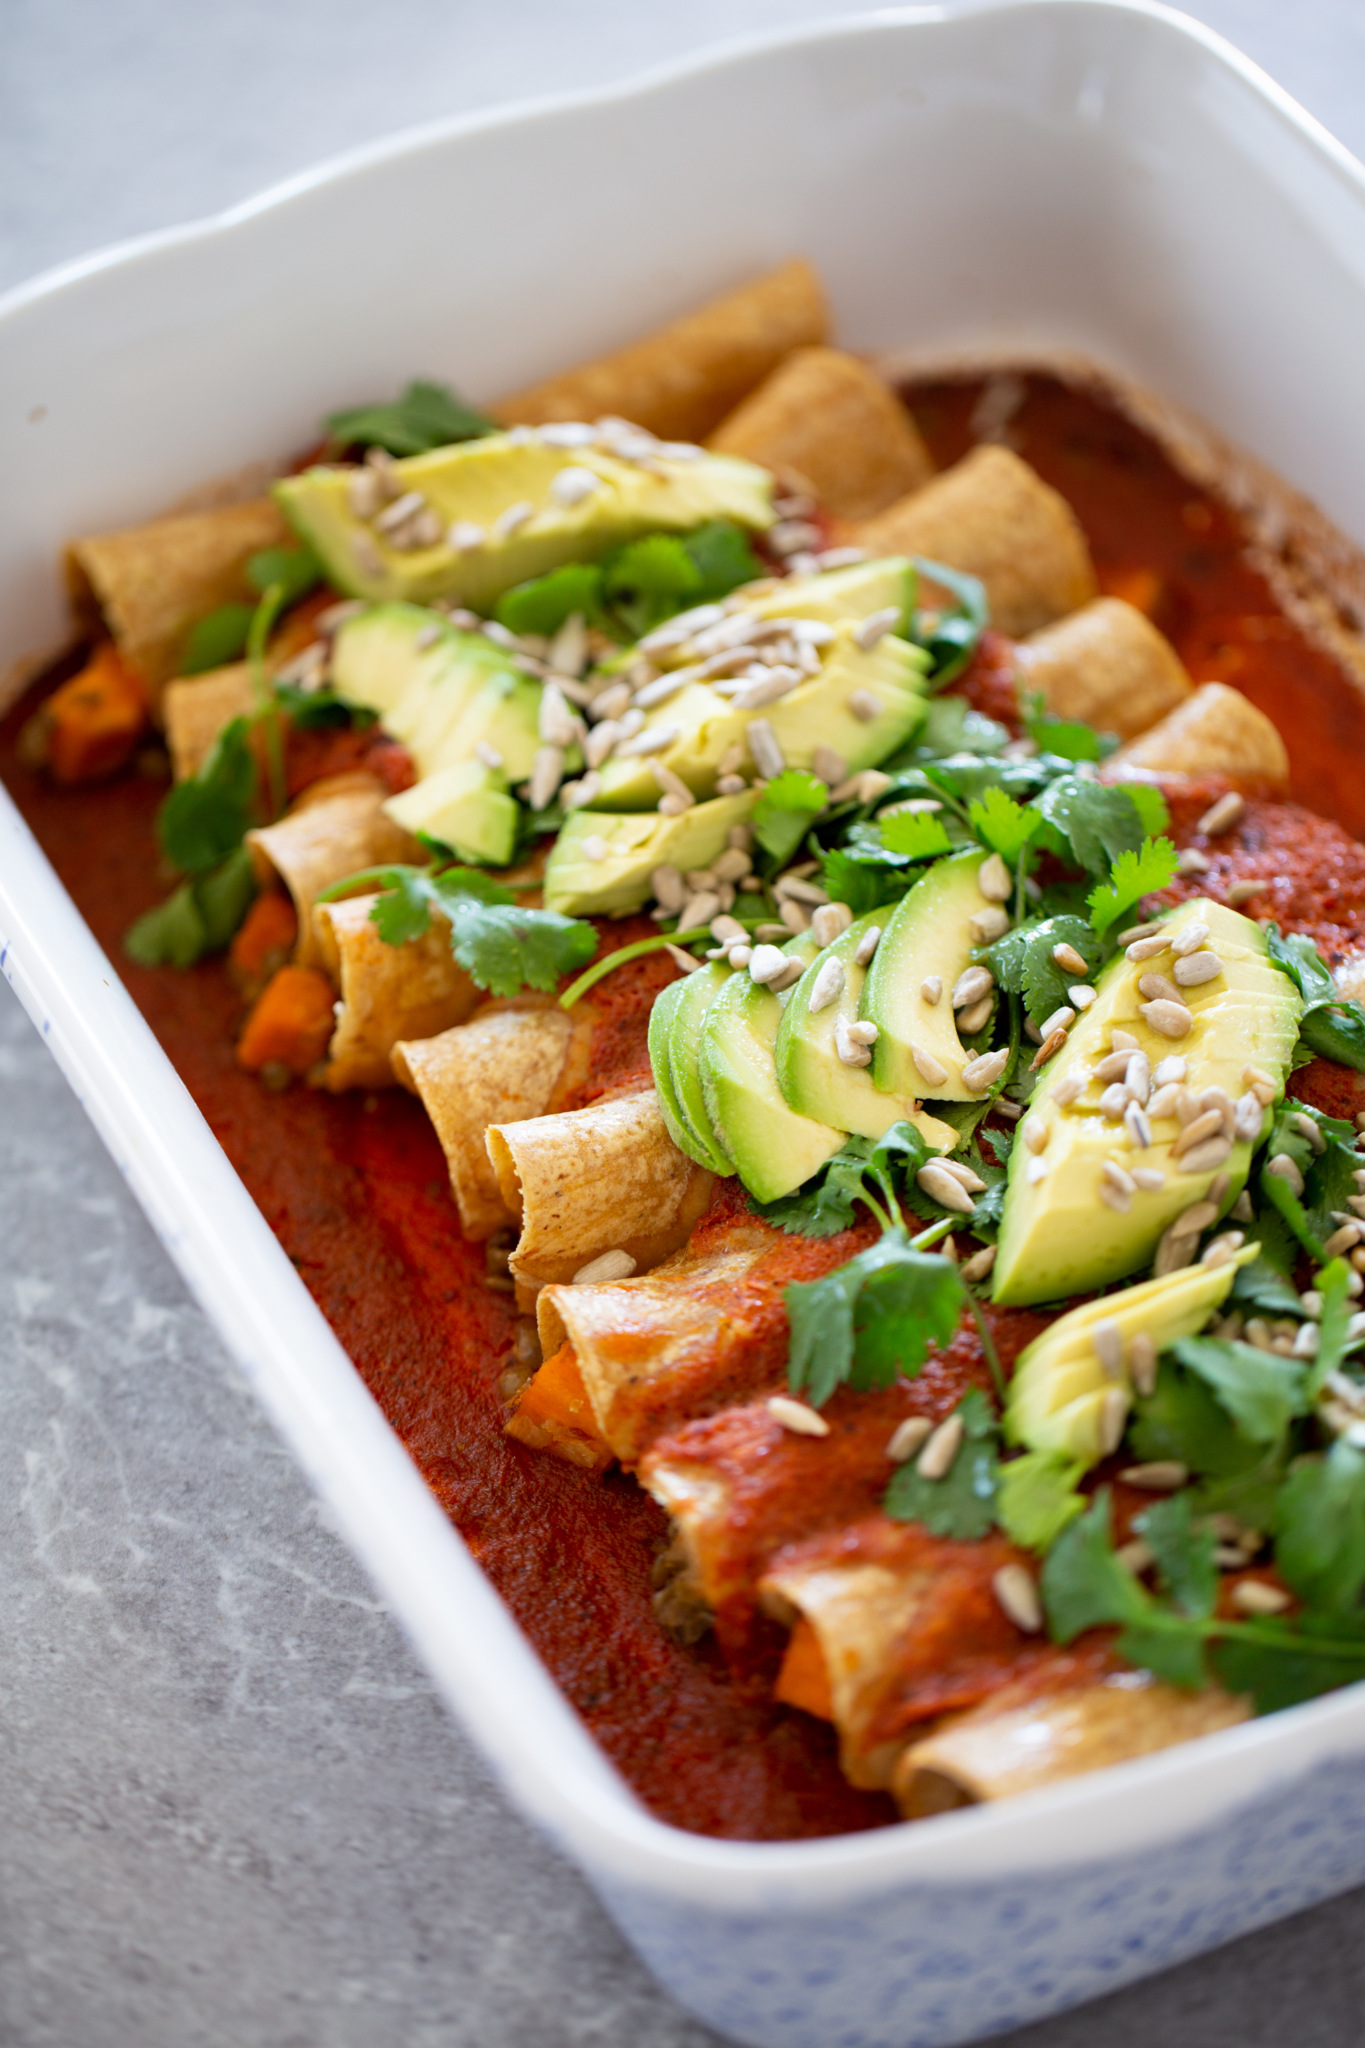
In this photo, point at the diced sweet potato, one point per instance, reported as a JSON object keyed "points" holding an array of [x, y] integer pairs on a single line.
{"points": [[1141, 588], [90, 725], [264, 940], [290, 1023], [554, 1414], [803, 1680]]}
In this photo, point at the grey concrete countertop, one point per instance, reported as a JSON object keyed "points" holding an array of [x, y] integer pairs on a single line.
{"points": [[232, 1811]]}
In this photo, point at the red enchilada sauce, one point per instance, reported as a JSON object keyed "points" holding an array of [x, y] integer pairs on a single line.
{"points": [[355, 1185]]}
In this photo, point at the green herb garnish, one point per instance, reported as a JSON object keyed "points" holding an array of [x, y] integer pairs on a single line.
{"points": [[963, 1504], [426, 416], [501, 946]]}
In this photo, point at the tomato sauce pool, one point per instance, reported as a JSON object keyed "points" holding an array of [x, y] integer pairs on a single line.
{"points": [[355, 1186]]}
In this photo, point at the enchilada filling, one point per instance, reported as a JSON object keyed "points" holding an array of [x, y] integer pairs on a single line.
{"points": [[809, 1035]]}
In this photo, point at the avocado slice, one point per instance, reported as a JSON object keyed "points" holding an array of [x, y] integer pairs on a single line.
{"points": [[637, 842], [774, 1148], [1057, 1237], [926, 936], [437, 690], [674, 1036], [377, 655], [815, 714], [810, 1073], [837, 594], [1058, 1394], [476, 483], [466, 807]]}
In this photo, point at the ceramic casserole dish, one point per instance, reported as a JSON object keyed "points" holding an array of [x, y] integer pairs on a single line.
{"points": [[1061, 175]]}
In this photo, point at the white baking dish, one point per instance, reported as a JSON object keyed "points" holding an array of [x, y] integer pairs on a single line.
{"points": [[1069, 173]]}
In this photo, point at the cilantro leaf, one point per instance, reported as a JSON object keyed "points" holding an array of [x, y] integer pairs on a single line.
{"points": [[1320, 1527], [914, 1298], [1261, 1391], [1334, 1340], [204, 817], [1151, 806], [951, 726], [786, 811], [1331, 1026], [294, 571], [953, 638], [1135, 874], [862, 885], [1037, 1497], [1182, 1419], [197, 918], [1267, 1283], [216, 639], [1066, 738], [426, 416], [1281, 1665], [963, 1503], [1089, 822], [1083, 1585], [722, 557], [647, 580], [914, 835], [1022, 961], [1184, 1552], [501, 946], [543, 604], [1002, 824]]}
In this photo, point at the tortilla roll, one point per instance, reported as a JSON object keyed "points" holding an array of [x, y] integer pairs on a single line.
{"points": [[682, 380], [662, 1345], [1217, 731], [606, 1178], [500, 1066], [1000, 1748], [337, 829], [992, 516], [825, 421], [553, 1413], [388, 993], [151, 583], [1106, 665], [196, 708]]}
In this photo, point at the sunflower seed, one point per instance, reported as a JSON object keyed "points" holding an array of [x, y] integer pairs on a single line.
{"points": [[1285, 1169], [766, 964], [1156, 988], [931, 989], [1017, 1596], [1189, 939], [942, 1186], [1171, 1020], [996, 884], [1222, 816], [796, 1416], [1107, 1338], [827, 986], [546, 775], [908, 1437], [979, 1264], [936, 1460], [1196, 969], [867, 946], [989, 924], [981, 1073], [864, 706], [616, 1265], [1147, 948], [507, 522], [573, 484], [1067, 958]]}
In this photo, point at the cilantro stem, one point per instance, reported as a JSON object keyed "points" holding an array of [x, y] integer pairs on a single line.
{"points": [[931, 1236], [267, 714], [992, 1356], [1282, 1197], [576, 990]]}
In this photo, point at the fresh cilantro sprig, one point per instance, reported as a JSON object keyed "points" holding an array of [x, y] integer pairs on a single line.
{"points": [[1331, 1026], [1176, 1633], [197, 918], [1136, 872], [962, 1504], [873, 1317], [204, 817], [501, 946], [1037, 1496], [1328, 1173], [427, 416], [638, 585], [953, 637], [222, 635], [1022, 961], [786, 811], [1003, 824]]}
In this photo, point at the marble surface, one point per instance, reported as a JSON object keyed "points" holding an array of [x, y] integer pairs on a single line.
{"points": [[232, 1812]]}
